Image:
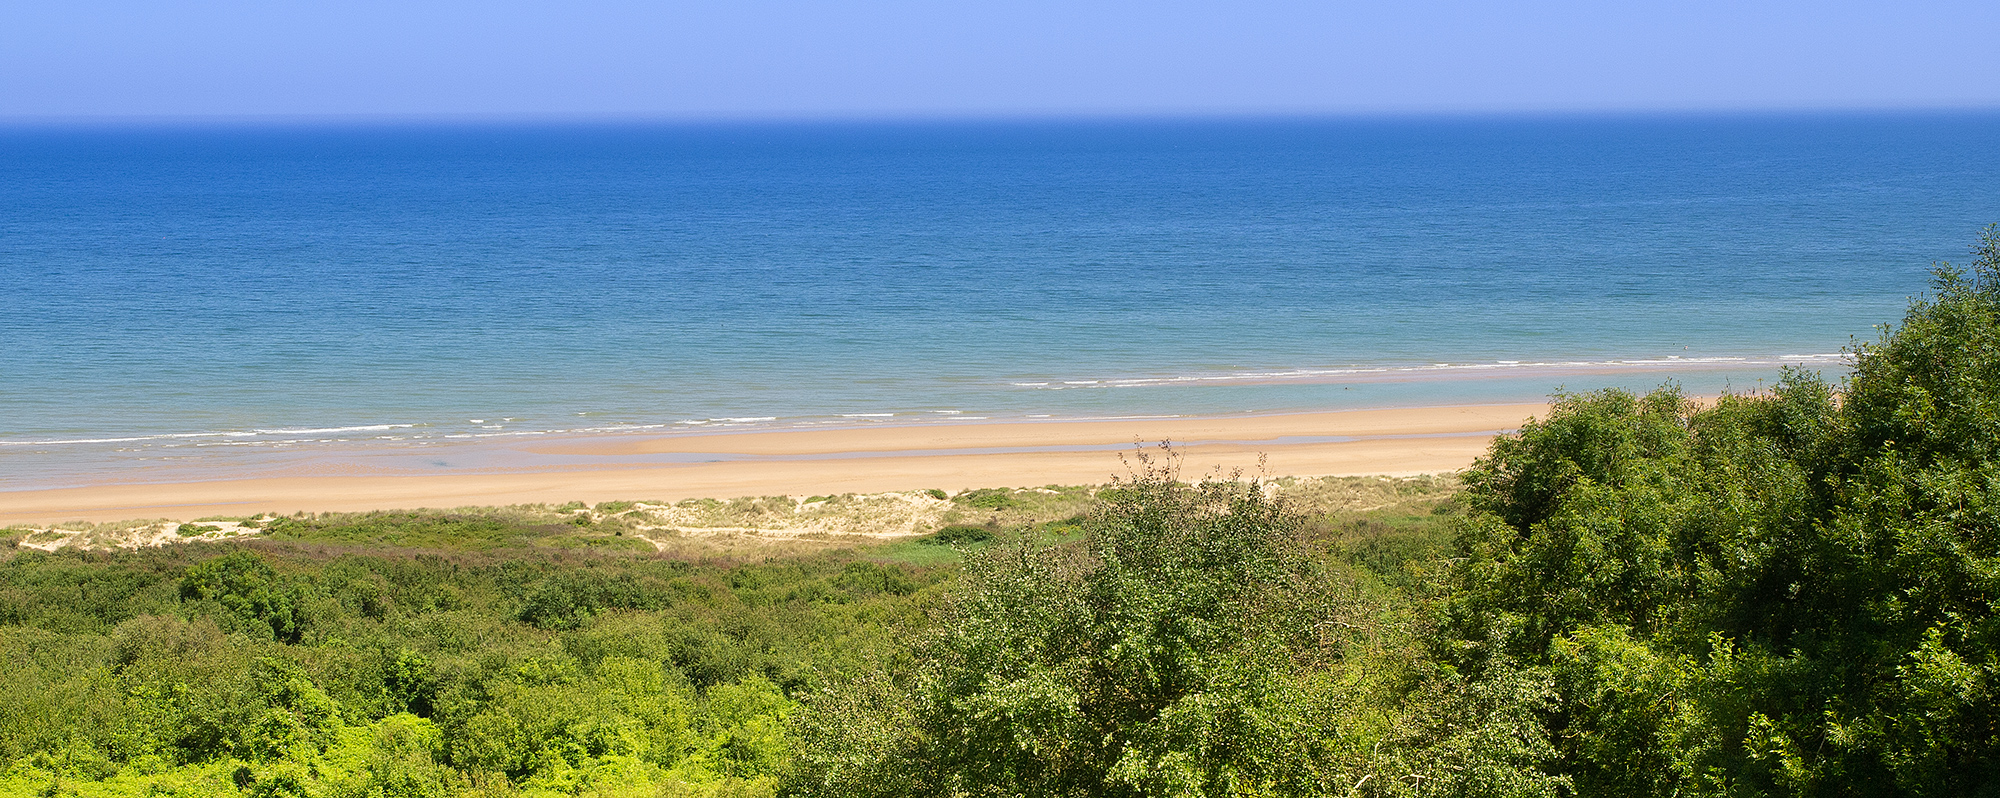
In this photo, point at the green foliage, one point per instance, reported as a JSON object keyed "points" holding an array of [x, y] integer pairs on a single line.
{"points": [[260, 669], [251, 595], [65, 594], [987, 498], [1154, 657], [959, 535], [1790, 593], [458, 531], [567, 599], [403, 761], [411, 682], [459, 667]]}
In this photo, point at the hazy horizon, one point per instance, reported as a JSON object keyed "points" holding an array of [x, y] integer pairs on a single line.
{"points": [[998, 121], [889, 60]]}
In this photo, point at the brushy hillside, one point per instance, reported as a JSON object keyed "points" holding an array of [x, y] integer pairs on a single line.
{"points": [[623, 649]]}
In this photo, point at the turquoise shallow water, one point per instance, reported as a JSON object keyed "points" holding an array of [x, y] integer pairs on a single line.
{"points": [[206, 293]]}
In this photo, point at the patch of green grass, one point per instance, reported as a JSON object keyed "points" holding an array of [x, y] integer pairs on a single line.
{"points": [[1062, 531], [613, 543], [917, 552], [420, 530], [957, 534], [1400, 530], [987, 498]]}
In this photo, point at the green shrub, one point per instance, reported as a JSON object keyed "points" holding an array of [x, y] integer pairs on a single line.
{"points": [[958, 535], [867, 578], [1139, 662], [1788, 593], [250, 595], [567, 599], [987, 498]]}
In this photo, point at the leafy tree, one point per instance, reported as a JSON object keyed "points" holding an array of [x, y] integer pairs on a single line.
{"points": [[1142, 661], [1791, 593], [568, 599], [411, 682], [252, 595]]}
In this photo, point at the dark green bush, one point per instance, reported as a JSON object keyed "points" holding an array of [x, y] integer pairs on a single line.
{"points": [[958, 535], [1789, 593], [251, 595]]}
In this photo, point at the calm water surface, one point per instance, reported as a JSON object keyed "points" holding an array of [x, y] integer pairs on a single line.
{"points": [[203, 293]]}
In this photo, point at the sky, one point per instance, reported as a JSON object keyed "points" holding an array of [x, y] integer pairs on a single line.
{"points": [[787, 59]]}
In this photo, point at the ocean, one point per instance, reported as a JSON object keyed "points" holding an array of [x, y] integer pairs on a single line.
{"points": [[209, 295]]}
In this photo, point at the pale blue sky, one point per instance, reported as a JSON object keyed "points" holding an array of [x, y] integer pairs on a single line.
{"points": [[950, 58]]}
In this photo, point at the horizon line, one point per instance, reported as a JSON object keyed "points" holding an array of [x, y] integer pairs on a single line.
{"points": [[560, 119]]}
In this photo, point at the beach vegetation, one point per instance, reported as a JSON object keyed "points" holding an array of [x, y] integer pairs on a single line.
{"points": [[987, 498], [300, 668], [959, 535], [459, 652], [1784, 593]]}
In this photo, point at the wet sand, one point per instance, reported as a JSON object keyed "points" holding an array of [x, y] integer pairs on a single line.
{"points": [[952, 457]]}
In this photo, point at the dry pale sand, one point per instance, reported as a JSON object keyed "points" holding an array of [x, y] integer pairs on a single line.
{"points": [[863, 460]]}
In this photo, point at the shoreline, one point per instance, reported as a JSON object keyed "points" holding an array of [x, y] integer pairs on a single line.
{"points": [[1399, 441]]}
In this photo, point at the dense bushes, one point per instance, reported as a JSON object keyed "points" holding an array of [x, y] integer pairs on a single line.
{"points": [[282, 671], [1199, 640], [1781, 594], [250, 595]]}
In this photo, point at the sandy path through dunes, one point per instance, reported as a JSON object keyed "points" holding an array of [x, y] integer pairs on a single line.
{"points": [[948, 456]]}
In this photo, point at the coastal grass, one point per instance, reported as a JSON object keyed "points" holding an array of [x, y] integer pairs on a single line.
{"points": [[628, 647], [913, 526]]}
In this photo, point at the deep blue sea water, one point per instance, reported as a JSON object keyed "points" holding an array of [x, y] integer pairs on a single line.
{"points": [[172, 292]]}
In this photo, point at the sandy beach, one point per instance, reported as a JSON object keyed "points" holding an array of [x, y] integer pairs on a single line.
{"points": [[952, 457]]}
